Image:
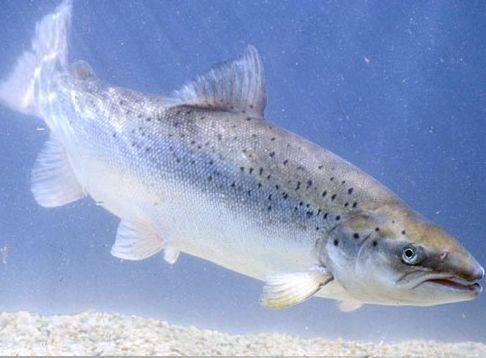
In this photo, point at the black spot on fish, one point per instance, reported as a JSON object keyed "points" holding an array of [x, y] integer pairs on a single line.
{"points": [[210, 178], [325, 215], [297, 187], [242, 169], [285, 162], [259, 185], [346, 204], [273, 139], [260, 171], [269, 197], [309, 183], [285, 195], [268, 177], [331, 179], [350, 190], [403, 232], [343, 182], [272, 154], [114, 135], [248, 118], [250, 170], [374, 243], [233, 184], [338, 218], [277, 187], [301, 203], [254, 135], [309, 213], [317, 228], [249, 192], [356, 235], [336, 242], [320, 167], [193, 142], [355, 204], [377, 229], [333, 196], [148, 119], [269, 208], [220, 137], [324, 193], [147, 149]]}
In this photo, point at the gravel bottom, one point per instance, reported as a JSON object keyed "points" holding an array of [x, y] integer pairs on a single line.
{"points": [[93, 333]]}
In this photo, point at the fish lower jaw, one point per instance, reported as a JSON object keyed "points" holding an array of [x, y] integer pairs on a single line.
{"points": [[456, 284]]}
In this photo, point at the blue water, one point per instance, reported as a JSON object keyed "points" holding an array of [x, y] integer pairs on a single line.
{"points": [[396, 88]]}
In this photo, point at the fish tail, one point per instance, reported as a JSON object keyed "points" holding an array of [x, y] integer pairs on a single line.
{"points": [[35, 67]]}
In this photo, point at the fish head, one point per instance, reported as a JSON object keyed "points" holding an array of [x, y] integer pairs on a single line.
{"points": [[392, 256]]}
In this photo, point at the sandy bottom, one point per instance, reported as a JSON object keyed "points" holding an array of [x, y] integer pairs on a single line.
{"points": [[93, 333]]}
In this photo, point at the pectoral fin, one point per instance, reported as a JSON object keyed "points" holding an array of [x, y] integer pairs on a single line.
{"points": [[285, 290]]}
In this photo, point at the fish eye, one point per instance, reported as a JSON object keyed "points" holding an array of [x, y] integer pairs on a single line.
{"points": [[411, 255]]}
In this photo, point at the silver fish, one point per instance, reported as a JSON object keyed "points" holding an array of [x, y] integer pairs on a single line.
{"points": [[201, 172]]}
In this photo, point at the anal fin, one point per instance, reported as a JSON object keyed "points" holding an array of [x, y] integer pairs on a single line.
{"points": [[136, 241], [53, 180]]}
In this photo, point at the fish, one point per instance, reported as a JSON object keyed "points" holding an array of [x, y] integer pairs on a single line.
{"points": [[200, 171]]}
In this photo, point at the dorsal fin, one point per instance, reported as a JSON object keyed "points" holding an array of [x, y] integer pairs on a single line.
{"points": [[235, 86]]}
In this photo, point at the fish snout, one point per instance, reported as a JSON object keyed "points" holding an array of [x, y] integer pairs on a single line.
{"points": [[478, 273], [465, 267]]}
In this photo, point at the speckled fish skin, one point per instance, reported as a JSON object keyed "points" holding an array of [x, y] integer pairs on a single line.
{"points": [[202, 172], [208, 161]]}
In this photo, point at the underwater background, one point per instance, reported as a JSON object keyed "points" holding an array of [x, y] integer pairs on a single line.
{"points": [[396, 88]]}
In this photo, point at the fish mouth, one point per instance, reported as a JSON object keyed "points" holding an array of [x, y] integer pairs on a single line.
{"points": [[452, 284], [443, 281], [455, 283]]}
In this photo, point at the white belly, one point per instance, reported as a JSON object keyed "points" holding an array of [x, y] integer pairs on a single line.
{"points": [[198, 224]]}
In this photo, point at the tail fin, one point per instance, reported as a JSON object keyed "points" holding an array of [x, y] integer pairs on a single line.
{"points": [[48, 54]]}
